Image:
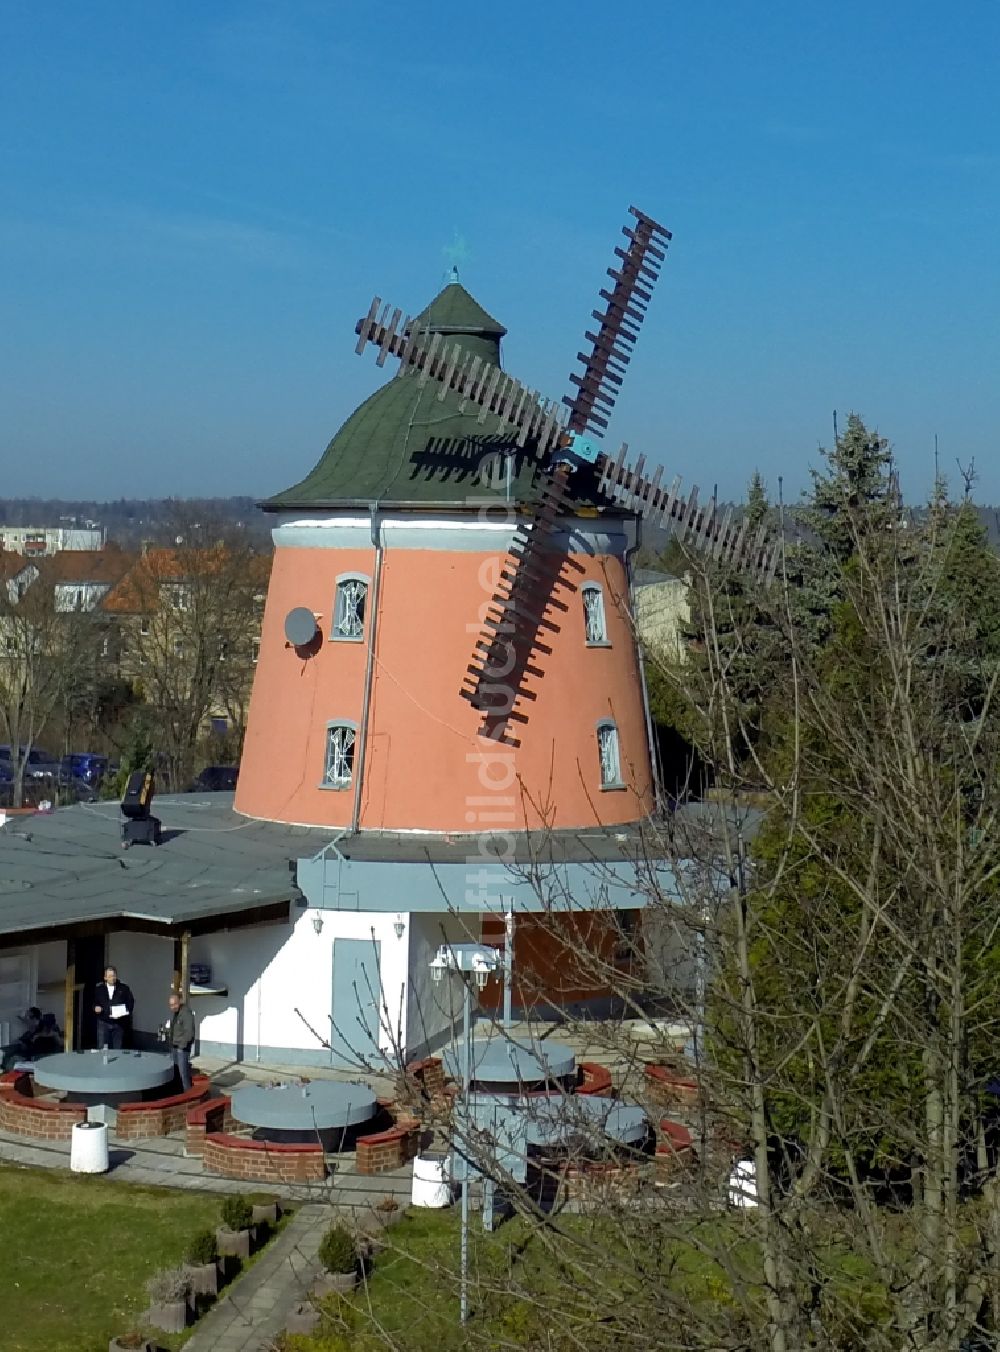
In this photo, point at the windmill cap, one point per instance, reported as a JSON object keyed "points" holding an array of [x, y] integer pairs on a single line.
{"points": [[453, 310]]}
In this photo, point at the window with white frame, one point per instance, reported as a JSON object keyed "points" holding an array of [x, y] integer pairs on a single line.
{"points": [[338, 769], [255, 649], [349, 607], [595, 626], [144, 626], [610, 757]]}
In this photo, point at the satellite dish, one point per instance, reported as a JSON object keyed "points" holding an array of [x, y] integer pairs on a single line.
{"points": [[300, 627]]}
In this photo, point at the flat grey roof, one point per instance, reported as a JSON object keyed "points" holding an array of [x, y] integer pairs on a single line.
{"points": [[63, 868], [678, 834], [217, 869]]}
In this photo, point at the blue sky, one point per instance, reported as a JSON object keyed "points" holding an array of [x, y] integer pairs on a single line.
{"points": [[197, 202]]}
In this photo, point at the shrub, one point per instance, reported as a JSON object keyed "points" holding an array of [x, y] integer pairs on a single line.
{"points": [[133, 1338], [168, 1285], [387, 1204], [337, 1250], [237, 1213], [202, 1250]]}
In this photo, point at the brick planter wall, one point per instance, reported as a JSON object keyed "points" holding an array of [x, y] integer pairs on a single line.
{"points": [[669, 1088], [428, 1076], [602, 1183], [593, 1079], [160, 1117], [264, 1161], [381, 1151], [211, 1116], [24, 1115], [675, 1152]]}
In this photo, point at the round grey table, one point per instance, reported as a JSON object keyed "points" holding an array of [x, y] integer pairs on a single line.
{"points": [[116, 1073], [320, 1105], [562, 1119], [499, 1061]]}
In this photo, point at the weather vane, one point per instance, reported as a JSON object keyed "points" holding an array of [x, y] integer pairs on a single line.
{"points": [[455, 254]]}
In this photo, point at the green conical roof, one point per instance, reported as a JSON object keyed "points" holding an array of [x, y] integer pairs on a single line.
{"points": [[453, 310], [407, 444]]}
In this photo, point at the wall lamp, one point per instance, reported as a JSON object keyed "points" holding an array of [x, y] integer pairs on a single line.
{"points": [[318, 923]]}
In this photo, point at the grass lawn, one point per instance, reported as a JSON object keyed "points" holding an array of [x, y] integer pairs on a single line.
{"points": [[77, 1251], [517, 1284], [633, 1282]]}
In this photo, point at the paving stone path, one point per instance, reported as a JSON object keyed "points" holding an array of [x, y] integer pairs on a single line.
{"points": [[253, 1310]]}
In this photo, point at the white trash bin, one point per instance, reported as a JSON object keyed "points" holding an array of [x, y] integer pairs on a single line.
{"points": [[431, 1181], [88, 1151], [743, 1184]]}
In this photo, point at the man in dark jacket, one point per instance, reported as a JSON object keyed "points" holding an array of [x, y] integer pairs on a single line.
{"points": [[180, 1038], [113, 1005]]}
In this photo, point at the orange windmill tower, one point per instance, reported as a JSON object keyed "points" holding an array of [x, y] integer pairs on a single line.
{"points": [[448, 672]]}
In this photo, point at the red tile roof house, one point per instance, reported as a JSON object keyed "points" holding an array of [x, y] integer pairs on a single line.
{"points": [[16, 574], [82, 578]]}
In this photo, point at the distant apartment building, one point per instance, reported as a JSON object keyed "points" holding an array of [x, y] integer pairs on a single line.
{"points": [[35, 541], [662, 611]]}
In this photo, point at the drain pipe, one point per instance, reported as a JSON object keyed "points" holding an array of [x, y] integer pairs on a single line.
{"points": [[373, 609], [654, 759]]}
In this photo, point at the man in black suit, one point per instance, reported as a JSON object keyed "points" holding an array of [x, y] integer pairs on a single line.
{"points": [[113, 1004]]}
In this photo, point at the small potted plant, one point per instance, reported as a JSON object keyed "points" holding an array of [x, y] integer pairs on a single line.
{"points": [[169, 1293], [339, 1255], [233, 1235], [266, 1208], [132, 1341], [202, 1260]]}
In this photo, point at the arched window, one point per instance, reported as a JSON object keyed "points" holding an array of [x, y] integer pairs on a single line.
{"points": [[338, 765], [609, 755], [595, 626], [349, 608]]}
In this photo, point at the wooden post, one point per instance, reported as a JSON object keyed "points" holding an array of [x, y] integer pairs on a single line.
{"points": [[182, 965], [69, 1032]]}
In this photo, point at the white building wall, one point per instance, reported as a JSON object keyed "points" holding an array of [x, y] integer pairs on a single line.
{"points": [[51, 538], [661, 612], [145, 962], [80, 537], [279, 980]]}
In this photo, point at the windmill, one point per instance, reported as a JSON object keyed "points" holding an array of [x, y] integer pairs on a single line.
{"points": [[563, 437]]}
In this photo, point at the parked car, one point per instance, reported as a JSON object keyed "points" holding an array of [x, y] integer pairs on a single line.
{"points": [[39, 765], [215, 778], [87, 766]]}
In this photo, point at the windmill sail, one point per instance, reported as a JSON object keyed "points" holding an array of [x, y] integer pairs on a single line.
{"points": [[560, 436]]}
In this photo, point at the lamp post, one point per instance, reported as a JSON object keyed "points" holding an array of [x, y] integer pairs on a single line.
{"points": [[508, 966], [478, 961]]}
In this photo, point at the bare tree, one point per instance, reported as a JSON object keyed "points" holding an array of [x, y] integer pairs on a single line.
{"points": [[35, 665], [192, 613], [815, 981]]}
